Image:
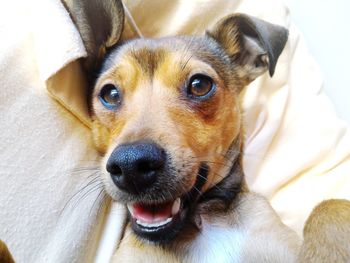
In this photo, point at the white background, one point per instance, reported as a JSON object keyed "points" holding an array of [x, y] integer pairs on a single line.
{"points": [[325, 25]]}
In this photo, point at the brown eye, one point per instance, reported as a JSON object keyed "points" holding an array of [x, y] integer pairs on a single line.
{"points": [[110, 96], [200, 87]]}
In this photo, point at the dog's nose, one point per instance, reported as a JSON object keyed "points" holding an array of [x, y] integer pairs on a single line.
{"points": [[135, 167]]}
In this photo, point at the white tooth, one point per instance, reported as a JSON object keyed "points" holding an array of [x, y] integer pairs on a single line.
{"points": [[131, 209], [155, 224], [176, 206]]}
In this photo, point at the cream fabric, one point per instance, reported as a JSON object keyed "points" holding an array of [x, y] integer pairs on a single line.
{"points": [[296, 150], [43, 145]]}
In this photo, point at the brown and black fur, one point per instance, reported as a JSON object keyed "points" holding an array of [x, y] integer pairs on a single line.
{"points": [[152, 74]]}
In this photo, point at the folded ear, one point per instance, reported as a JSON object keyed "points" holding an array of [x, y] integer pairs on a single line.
{"points": [[252, 44], [100, 24]]}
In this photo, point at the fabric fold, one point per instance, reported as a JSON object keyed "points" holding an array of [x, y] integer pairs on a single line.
{"points": [[297, 151]]}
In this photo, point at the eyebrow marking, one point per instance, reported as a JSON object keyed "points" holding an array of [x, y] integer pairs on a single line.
{"points": [[148, 59]]}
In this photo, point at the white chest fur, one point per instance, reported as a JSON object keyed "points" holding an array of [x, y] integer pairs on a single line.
{"points": [[217, 244], [254, 234]]}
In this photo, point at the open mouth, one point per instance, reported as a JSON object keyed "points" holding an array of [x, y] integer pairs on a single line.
{"points": [[160, 222], [157, 222], [152, 216]]}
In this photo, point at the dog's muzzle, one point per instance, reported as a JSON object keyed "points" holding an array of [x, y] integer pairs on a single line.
{"points": [[140, 169]]}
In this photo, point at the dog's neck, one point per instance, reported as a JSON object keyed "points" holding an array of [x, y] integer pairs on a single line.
{"points": [[220, 197], [216, 203]]}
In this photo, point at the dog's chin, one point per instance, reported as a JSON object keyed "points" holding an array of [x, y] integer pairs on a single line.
{"points": [[158, 222]]}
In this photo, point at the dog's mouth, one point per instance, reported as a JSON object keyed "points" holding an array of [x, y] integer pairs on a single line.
{"points": [[153, 221], [154, 216], [160, 222]]}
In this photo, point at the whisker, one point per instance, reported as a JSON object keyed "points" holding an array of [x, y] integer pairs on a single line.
{"points": [[105, 202], [211, 184], [198, 191], [88, 192], [92, 180], [80, 190], [84, 169], [186, 51], [211, 162], [100, 197], [186, 62]]}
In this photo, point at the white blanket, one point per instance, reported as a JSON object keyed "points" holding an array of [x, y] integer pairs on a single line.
{"points": [[297, 152]]}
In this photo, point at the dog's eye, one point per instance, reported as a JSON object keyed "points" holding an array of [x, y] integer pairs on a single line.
{"points": [[200, 87], [110, 96]]}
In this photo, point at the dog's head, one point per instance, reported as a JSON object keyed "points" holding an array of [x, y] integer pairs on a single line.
{"points": [[167, 118]]}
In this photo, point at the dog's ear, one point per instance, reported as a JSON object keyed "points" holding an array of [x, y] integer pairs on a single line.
{"points": [[100, 24], [251, 43]]}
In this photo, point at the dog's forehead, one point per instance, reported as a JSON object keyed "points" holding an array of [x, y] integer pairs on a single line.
{"points": [[150, 54]]}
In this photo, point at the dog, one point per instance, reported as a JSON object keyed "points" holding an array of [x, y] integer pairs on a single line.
{"points": [[171, 109], [166, 117]]}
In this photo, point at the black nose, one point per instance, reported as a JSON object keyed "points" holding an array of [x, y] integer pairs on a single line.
{"points": [[135, 167]]}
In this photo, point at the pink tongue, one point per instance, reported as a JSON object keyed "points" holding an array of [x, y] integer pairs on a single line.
{"points": [[152, 213]]}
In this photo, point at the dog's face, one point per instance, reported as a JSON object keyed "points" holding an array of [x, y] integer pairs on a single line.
{"points": [[171, 110], [167, 118]]}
